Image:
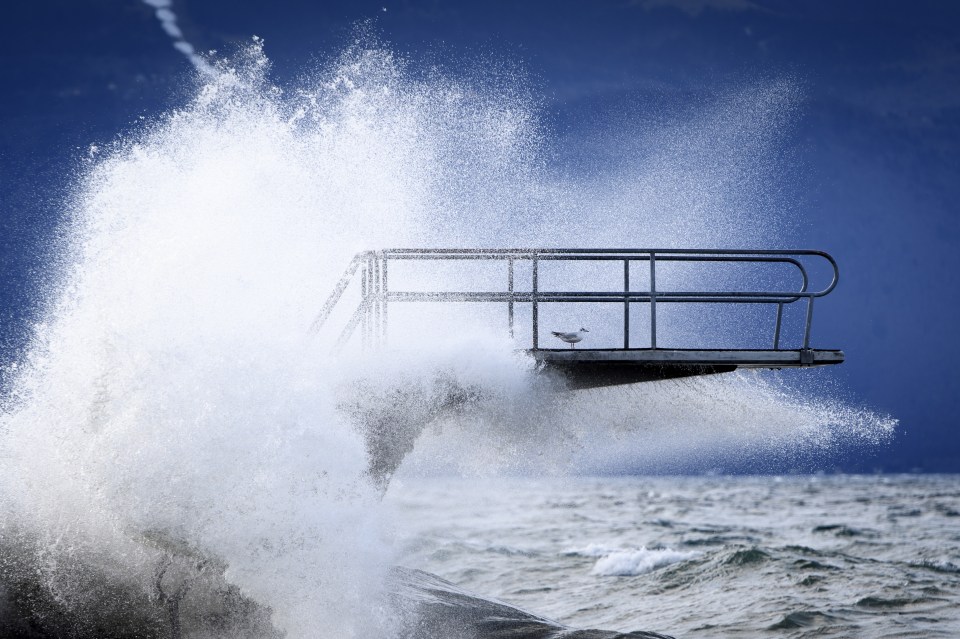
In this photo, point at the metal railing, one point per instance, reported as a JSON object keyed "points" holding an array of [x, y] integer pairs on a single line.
{"points": [[372, 311]]}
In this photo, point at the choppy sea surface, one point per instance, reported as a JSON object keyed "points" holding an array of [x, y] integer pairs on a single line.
{"points": [[813, 556]]}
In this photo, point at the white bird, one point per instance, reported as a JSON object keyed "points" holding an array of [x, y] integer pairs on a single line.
{"points": [[571, 338]]}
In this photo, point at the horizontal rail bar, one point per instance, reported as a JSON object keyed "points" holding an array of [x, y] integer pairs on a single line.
{"points": [[605, 251], [668, 255], [611, 257], [585, 296], [615, 258]]}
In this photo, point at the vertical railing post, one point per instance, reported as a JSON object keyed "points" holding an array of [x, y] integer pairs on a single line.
{"points": [[535, 310], [510, 291], [383, 292], [626, 303], [364, 287], [776, 333], [653, 300], [376, 300], [371, 300]]}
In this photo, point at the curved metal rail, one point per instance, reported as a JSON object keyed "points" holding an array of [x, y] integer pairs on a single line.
{"points": [[376, 295]]}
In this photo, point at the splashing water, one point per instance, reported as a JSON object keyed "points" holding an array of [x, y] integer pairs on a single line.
{"points": [[173, 418]]}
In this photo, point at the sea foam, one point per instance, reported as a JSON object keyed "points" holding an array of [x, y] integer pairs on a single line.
{"points": [[626, 563]]}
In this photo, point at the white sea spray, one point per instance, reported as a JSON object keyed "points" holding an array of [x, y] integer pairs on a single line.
{"points": [[174, 403]]}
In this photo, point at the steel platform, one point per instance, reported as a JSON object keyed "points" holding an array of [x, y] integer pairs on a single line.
{"points": [[591, 368]]}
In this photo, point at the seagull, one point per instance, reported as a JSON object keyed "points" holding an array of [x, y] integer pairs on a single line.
{"points": [[571, 338]]}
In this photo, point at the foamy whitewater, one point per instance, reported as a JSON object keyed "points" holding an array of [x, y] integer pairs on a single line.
{"points": [[181, 456]]}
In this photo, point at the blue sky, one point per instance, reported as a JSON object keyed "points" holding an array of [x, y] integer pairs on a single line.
{"points": [[875, 142]]}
